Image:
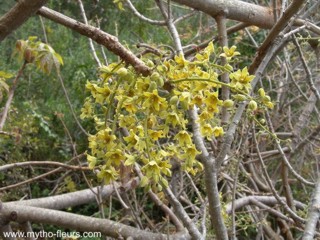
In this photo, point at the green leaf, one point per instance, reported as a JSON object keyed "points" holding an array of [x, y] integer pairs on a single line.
{"points": [[5, 74], [4, 85], [164, 182], [58, 57], [32, 38], [144, 181]]}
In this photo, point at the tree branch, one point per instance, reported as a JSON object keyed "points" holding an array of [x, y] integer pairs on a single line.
{"points": [[109, 41], [77, 198], [17, 15], [20, 213], [235, 10], [313, 214], [274, 33]]}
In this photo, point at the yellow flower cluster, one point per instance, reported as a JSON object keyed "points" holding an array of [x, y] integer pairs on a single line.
{"points": [[144, 120]]}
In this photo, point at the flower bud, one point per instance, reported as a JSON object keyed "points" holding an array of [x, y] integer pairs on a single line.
{"points": [[122, 72], [240, 97], [253, 105], [228, 103], [261, 92]]}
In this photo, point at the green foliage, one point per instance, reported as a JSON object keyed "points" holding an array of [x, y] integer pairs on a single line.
{"points": [[41, 54], [4, 87]]}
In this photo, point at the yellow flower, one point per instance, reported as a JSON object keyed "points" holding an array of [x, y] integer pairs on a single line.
{"points": [[204, 56], [218, 131], [241, 79], [142, 85], [152, 170], [212, 101], [190, 154], [93, 143], [130, 160], [100, 94], [229, 52], [154, 102], [172, 119], [130, 105], [180, 60], [127, 121], [92, 161], [132, 139], [197, 100], [207, 130], [183, 138], [108, 174], [185, 100], [152, 121], [155, 135], [200, 86], [115, 157], [105, 138], [87, 110], [205, 115], [242, 76], [89, 86]]}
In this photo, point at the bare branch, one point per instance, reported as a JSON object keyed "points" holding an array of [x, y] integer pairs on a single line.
{"points": [[313, 214], [94, 53], [223, 41], [274, 33], [109, 41], [267, 200], [5, 111], [77, 198], [42, 163], [194, 232], [237, 10], [20, 213], [140, 16]]}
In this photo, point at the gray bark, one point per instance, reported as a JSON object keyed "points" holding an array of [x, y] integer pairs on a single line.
{"points": [[20, 213], [235, 10], [18, 15], [313, 214]]}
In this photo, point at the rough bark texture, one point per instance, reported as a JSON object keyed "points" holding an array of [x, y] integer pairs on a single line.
{"points": [[19, 213], [109, 41], [313, 215], [18, 15]]}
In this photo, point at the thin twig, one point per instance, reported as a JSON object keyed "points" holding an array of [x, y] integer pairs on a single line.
{"points": [[5, 111], [273, 190], [69, 103], [93, 50]]}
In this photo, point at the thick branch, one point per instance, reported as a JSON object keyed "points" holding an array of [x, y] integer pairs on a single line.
{"points": [[109, 41], [73, 199], [18, 15], [274, 33], [313, 214], [211, 179], [234, 9], [20, 213]]}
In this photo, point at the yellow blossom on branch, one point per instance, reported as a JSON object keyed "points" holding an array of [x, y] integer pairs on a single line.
{"points": [[92, 161], [218, 131], [229, 53], [183, 138], [114, 157], [154, 102]]}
